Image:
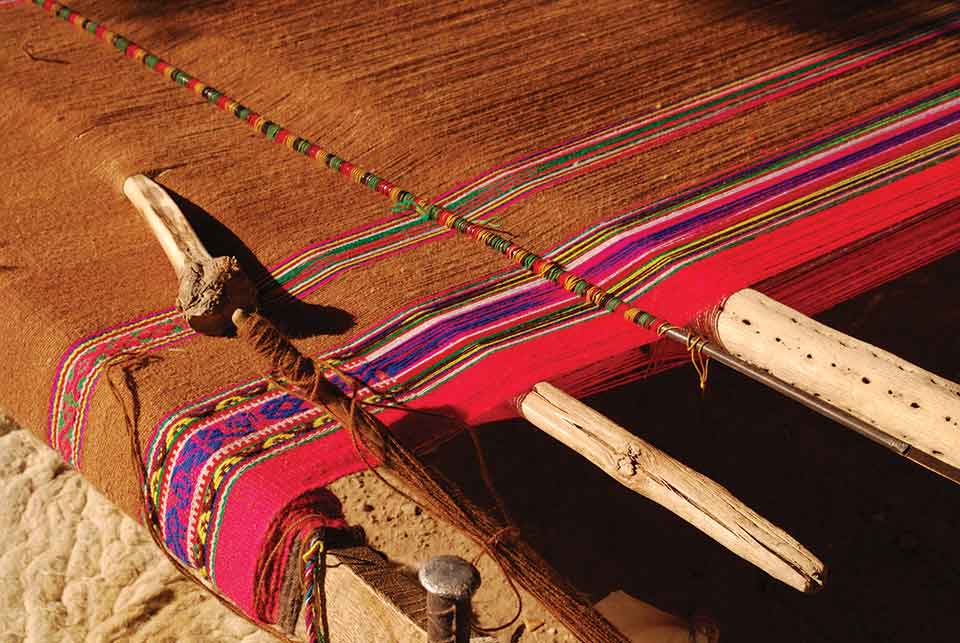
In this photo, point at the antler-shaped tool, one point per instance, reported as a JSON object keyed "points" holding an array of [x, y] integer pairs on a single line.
{"points": [[211, 288]]}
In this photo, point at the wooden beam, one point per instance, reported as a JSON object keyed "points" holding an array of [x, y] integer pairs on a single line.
{"points": [[370, 598], [900, 399], [640, 466]]}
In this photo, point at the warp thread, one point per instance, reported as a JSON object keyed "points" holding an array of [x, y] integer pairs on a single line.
{"points": [[518, 560], [406, 200]]}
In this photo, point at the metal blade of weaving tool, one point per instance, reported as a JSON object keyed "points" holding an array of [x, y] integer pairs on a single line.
{"points": [[641, 467]]}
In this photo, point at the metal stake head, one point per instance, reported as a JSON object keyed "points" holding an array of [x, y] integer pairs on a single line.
{"points": [[449, 577]]}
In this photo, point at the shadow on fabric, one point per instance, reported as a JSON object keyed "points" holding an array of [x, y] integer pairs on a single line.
{"points": [[294, 317]]}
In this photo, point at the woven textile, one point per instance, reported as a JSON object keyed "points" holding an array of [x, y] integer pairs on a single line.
{"points": [[672, 155]]}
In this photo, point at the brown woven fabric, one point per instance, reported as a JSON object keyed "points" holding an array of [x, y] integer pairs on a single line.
{"points": [[429, 95]]}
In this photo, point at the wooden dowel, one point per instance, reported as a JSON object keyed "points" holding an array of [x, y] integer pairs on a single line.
{"points": [[911, 405], [703, 503]]}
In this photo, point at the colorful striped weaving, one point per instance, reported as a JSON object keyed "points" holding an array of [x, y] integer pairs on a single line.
{"points": [[230, 456]]}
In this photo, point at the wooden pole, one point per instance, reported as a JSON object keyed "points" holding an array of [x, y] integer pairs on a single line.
{"points": [[919, 409], [640, 466]]}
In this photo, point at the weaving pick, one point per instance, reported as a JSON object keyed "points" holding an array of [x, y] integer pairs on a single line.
{"points": [[519, 255]]}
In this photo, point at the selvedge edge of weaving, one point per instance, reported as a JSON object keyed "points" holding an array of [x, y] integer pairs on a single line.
{"points": [[81, 365]]}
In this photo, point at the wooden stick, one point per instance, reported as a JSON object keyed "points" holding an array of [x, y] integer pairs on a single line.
{"points": [[640, 466], [884, 391]]}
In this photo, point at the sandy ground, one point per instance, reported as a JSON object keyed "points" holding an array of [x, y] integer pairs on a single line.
{"points": [[77, 570]]}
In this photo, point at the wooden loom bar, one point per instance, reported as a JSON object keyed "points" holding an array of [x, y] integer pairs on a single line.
{"points": [[906, 408], [641, 467], [360, 607]]}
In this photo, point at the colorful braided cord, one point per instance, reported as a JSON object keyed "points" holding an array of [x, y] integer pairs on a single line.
{"points": [[312, 560], [548, 270]]}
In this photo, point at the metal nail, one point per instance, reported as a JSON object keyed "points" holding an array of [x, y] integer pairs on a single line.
{"points": [[450, 582]]}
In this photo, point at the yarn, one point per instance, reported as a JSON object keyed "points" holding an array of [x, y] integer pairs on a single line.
{"points": [[440, 496]]}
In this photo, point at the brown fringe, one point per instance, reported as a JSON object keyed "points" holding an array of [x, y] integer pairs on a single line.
{"points": [[501, 541]]}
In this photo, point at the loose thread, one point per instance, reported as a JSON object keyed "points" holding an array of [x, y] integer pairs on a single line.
{"points": [[701, 361], [489, 549], [440, 496], [358, 385], [262, 578], [694, 345], [488, 546]]}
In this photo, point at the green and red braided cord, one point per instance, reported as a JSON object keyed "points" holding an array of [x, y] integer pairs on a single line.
{"points": [[275, 132]]}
